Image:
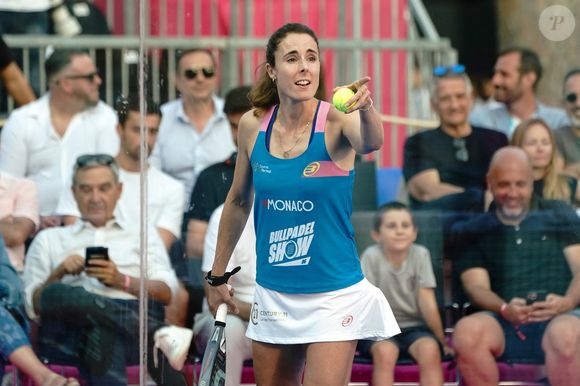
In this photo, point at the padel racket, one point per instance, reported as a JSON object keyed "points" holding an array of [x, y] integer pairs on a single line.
{"points": [[213, 365]]}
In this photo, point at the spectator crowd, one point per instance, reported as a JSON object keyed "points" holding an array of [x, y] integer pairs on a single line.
{"points": [[501, 178]]}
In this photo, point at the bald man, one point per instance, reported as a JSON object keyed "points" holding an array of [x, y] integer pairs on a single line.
{"points": [[520, 265]]}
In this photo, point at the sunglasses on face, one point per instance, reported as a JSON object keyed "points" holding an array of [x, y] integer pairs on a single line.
{"points": [[191, 73], [445, 70], [461, 153], [90, 76], [571, 98]]}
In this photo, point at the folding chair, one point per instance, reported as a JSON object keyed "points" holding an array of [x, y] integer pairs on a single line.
{"points": [[389, 182]]}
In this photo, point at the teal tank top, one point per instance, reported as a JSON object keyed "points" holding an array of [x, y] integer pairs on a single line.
{"points": [[302, 207]]}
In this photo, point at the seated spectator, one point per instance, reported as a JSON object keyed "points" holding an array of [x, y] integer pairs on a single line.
{"points": [[14, 344], [42, 140], [568, 137], [213, 183], [164, 193], [96, 301], [12, 78], [516, 76], [445, 167], [523, 247], [403, 271], [537, 140], [18, 215], [244, 283]]}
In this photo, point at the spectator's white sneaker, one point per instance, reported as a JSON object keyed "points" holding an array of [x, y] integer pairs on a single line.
{"points": [[174, 342]]}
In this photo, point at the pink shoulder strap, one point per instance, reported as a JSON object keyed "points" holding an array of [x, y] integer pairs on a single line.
{"points": [[266, 120], [321, 116]]}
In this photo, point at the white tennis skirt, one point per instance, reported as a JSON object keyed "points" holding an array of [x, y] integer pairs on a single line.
{"points": [[360, 311]]}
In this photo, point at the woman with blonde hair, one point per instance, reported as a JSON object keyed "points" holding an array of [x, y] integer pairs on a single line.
{"points": [[537, 140]]}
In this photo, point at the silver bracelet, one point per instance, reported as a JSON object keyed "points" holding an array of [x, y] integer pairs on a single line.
{"points": [[368, 108]]}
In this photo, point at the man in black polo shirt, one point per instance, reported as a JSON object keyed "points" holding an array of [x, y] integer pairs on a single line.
{"points": [[445, 167], [520, 263], [213, 183]]}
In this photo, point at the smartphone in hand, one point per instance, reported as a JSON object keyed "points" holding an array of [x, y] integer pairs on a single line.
{"points": [[96, 253], [535, 296]]}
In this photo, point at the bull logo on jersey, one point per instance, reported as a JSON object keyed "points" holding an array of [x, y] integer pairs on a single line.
{"points": [[289, 246]]}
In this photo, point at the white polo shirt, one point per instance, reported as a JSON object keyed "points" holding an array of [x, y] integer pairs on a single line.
{"points": [[165, 196], [53, 245], [31, 148], [182, 152]]}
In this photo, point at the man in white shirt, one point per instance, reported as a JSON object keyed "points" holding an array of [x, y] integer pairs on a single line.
{"points": [[42, 139], [516, 76], [194, 131], [97, 299], [165, 195]]}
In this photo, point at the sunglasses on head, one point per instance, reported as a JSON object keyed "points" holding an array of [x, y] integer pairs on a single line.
{"points": [[571, 98], [445, 70], [86, 160], [90, 77], [191, 73]]}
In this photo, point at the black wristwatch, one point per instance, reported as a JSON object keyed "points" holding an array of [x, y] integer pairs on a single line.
{"points": [[214, 281]]}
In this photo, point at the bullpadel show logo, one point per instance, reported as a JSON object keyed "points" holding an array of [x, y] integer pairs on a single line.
{"points": [[289, 246]]}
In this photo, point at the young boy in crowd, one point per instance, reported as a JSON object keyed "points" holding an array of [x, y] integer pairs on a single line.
{"points": [[403, 271]]}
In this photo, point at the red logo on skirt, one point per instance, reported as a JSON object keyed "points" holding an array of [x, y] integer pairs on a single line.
{"points": [[347, 321]]}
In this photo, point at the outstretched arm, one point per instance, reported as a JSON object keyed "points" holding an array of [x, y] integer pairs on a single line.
{"points": [[364, 130]]}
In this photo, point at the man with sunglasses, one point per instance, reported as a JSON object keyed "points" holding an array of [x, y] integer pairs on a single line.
{"points": [[89, 307], [194, 132], [516, 76], [445, 167], [42, 139], [568, 136]]}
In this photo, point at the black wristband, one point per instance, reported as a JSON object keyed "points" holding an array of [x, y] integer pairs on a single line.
{"points": [[214, 281]]}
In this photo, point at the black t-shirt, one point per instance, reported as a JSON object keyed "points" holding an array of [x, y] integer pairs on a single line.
{"points": [[434, 149], [210, 190], [572, 183], [525, 257], [5, 55]]}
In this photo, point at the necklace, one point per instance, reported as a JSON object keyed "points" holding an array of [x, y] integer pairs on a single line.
{"points": [[286, 153]]}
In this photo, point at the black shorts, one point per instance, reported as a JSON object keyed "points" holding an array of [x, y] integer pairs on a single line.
{"points": [[403, 341]]}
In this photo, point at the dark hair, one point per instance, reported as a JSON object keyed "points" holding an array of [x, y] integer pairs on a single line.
{"points": [[264, 93], [59, 59], [182, 53], [392, 205], [529, 61], [237, 101], [571, 73], [131, 103]]}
